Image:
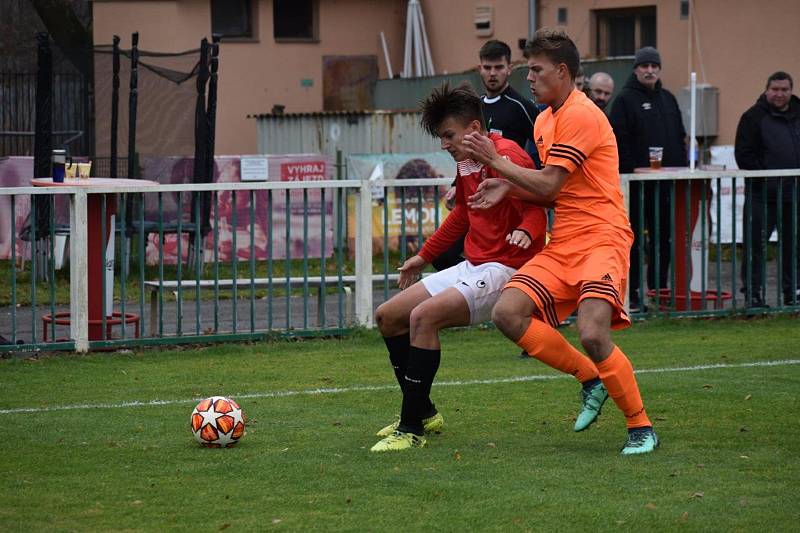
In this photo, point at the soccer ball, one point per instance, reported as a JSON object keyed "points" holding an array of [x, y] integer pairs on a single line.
{"points": [[217, 422]]}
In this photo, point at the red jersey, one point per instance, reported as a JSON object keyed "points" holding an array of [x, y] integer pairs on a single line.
{"points": [[486, 229]]}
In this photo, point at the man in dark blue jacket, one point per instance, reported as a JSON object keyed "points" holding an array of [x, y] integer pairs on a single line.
{"points": [[767, 138], [645, 114]]}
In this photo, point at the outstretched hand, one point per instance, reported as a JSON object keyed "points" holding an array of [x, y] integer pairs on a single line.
{"points": [[410, 271], [519, 238], [480, 148], [450, 198], [489, 193]]}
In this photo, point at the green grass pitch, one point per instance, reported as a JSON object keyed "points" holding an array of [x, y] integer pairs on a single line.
{"points": [[723, 394]]}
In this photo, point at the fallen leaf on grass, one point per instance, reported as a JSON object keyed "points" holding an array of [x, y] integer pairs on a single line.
{"points": [[698, 495], [744, 457], [700, 465], [685, 516], [708, 386], [650, 506], [748, 396], [136, 502], [457, 455], [491, 445], [276, 520]]}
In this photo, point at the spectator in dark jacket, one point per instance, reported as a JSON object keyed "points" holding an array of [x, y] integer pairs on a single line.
{"points": [[767, 138], [644, 114]]}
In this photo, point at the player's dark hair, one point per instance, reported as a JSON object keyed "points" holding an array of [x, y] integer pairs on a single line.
{"points": [[557, 47], [780, 76], [446, 102], [495, 50]]}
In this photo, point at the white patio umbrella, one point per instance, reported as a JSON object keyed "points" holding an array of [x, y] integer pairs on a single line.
{"points": [[417, 59]]}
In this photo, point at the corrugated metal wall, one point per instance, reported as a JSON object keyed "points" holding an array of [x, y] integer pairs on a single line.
{"points": [[352, 133], [406, 93], [362, 132]]}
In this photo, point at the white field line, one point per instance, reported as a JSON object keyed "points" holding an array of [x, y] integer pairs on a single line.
{"points": [[369, 388]]}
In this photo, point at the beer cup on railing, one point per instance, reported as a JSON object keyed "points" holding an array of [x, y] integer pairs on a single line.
{"points": [[656, 154]]}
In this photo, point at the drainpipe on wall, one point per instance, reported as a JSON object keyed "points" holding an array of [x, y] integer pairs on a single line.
{"points": [[531, 18]]}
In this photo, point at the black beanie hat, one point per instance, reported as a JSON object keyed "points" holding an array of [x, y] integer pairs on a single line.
{"points": [[648, 54]]}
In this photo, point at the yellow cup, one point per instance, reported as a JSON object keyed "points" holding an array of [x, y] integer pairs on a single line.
{"points": [[71, 170], [84, 169]]}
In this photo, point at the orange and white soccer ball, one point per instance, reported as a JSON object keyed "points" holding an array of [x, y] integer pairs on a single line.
{"points": [[217, 422]]}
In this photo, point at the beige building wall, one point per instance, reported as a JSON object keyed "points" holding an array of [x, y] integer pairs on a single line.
{"points": [[255, 75], [451, 30], [740, 44], [737, 45]]}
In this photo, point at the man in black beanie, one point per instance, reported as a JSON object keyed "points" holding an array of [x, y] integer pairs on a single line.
{"points": [[645, 114]]}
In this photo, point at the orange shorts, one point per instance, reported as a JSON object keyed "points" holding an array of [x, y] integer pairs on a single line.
{"points": [[565, 273]]}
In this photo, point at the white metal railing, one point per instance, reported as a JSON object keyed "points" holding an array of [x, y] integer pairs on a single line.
{"points": [[364, 314]]}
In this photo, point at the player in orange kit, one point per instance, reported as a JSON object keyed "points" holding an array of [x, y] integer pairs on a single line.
{"points": [[586, 261]]}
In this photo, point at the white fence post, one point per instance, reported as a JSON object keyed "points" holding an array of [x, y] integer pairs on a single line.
{"points": [[364, 315], [78, 270]]}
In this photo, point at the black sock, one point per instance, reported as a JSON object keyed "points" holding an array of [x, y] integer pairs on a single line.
{"points": [[422, 367], [398, 355], [588, 384]]}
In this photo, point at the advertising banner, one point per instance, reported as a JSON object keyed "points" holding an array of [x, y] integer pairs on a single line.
{"points": [[413, 210]]}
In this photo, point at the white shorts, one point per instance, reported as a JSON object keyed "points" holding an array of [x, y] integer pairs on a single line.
{"points": [[480, 285]]}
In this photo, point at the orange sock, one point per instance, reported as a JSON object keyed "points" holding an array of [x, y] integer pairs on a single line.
{"points": [[617, 375], [550, 347]]}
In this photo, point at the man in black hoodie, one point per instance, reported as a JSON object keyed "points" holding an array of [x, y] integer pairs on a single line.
{"points": [[645, 114], [768, 137]]}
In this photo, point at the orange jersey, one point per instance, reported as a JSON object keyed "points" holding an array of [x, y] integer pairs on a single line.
{"points": [[578, 138]]}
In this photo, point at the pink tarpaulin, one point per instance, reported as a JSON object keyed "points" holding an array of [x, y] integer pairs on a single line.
{"points": [[270, 213]]}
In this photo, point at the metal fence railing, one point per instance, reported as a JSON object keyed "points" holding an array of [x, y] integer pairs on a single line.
{"points": [[273, 263], [703, 248], [311, 258]]}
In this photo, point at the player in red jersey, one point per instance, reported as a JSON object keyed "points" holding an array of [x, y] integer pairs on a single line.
{"points": [[585, 264], [498, 241]]}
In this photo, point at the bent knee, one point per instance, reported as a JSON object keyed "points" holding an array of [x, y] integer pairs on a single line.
{"points": [[509, 320], [380, 315], [502, 316], [422, 318], [386, 320], [594, 340]]}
